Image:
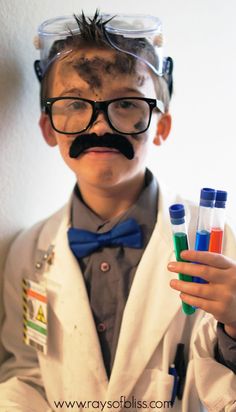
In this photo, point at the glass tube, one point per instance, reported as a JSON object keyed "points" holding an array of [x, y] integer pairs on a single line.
{"points": [[218, 222], [180, 239], [204, 224]]}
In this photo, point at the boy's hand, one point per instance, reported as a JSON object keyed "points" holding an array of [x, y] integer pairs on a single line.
{"points": [[217, 297]]}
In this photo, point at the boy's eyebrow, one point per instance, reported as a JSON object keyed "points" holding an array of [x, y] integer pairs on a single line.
{"points": [[74, 90], [129, 90]]}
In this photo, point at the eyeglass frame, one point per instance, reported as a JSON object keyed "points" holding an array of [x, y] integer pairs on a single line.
{"points": [[99, 106]]}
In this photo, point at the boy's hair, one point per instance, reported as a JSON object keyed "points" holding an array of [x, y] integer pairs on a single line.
{"points": [[92, 34]]}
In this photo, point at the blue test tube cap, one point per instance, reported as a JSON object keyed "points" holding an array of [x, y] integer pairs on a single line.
{"points": [[207, 197], [221, 197], [177, 214]]}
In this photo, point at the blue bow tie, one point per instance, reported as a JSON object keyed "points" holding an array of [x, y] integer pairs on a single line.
{"points": [[83, 242]]}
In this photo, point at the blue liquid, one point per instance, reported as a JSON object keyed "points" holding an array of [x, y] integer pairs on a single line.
{"points": [[202, 244], [202, 240]]}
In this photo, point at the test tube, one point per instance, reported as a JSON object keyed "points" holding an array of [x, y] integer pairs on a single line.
{"points": [[204, 224], [217, 230], [180, 239]]}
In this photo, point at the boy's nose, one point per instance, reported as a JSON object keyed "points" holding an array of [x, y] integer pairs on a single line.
{"points": [[100, 125]]}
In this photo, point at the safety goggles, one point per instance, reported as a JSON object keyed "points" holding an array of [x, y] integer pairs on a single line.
{"points": [[138, 36]]}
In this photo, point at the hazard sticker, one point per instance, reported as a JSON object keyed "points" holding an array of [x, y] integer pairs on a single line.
{"points": [[35, 315], [40, 316]]}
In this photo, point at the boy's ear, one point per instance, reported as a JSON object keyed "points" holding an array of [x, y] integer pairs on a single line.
{"points": [[47, 130], [163, 129]]}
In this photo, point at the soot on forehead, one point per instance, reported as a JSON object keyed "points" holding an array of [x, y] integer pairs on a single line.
{"points": [[93, 70]]}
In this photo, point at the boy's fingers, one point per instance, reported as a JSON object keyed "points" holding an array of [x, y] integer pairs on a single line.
{"points": [[209, 306], [203, 271], [208, 258], [205, 291]]}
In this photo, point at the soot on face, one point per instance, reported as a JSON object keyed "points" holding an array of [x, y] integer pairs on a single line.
{"points": [[92, 70]]}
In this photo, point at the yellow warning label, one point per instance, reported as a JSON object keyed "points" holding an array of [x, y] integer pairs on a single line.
{"points": [[40, 316]]}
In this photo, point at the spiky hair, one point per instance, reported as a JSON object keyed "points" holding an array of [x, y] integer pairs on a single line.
{"points": [[91, 29], [91, 32]]}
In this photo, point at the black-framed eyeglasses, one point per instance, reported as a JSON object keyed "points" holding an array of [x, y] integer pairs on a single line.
{"points": [[126, 115]]}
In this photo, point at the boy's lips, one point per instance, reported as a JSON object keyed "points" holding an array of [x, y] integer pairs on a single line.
{"points": [[101, 150], [105, 153]]}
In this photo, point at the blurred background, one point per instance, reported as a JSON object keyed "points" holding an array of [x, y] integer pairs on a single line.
{"points": [[201, 150]]}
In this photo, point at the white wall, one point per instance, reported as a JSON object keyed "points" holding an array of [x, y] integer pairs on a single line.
{"points": [[199, 34]]}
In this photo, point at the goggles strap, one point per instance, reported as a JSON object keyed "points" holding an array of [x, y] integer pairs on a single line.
{"points": [[168, 73], [38, 70]]}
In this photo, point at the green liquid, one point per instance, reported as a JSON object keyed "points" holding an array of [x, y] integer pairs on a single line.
{"points": [[180, 244]]}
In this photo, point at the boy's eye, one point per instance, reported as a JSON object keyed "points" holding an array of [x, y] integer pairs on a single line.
{"points": [[125, 104], [70, 107], [76, 105]]}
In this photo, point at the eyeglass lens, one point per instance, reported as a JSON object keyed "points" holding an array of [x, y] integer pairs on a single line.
{"points": [[125, 115]]}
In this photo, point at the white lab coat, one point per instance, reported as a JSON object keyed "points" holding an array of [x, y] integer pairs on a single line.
{"points": [[152, 326]]}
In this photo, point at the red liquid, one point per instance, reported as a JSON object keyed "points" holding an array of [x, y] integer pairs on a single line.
{"points": [[216, 240]]}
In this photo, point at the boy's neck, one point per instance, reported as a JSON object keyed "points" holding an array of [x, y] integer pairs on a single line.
{"points": [[109, 203]]}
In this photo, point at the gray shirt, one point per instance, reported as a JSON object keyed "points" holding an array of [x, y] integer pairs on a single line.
{"points": [[109, 272]]}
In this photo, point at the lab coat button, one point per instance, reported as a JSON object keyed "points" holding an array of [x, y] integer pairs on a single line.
{"points": [[104, 267], [101, 327]]}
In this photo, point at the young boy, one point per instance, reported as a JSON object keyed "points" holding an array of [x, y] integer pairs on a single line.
{"points": [[103, 329]]}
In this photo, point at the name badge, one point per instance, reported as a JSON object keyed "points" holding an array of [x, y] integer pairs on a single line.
{"points": [[35, 315]]}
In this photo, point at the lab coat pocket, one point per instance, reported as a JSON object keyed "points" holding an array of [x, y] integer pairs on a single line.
{"points": [[154, 390]]}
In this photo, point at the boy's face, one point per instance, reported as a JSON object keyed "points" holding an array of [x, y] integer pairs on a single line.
{"points": [[99, 74]]}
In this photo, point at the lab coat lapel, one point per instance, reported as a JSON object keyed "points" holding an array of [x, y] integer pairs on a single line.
{"points": [[150, 308], [70, 304]]}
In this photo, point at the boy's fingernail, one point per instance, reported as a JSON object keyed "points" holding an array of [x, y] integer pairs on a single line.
{"points": [[171, 265], [183, 253], [173, 283]]}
